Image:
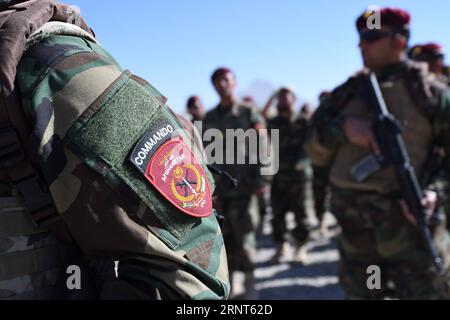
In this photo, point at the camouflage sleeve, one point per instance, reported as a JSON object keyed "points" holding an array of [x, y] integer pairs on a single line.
{"points": [[325, 133], [162, 253]]}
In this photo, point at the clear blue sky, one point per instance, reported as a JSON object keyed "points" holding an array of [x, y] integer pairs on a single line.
{"points": [[310, 45]]}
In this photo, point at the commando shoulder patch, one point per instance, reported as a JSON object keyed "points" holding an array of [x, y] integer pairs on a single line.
{"points": [[168, 163]]}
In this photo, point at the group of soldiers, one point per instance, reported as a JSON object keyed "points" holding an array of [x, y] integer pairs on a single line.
{"points": [[105, 194], [377, 225], [246, 206]]}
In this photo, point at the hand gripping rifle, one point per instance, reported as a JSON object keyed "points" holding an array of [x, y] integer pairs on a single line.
{"points": [[388, 134]]}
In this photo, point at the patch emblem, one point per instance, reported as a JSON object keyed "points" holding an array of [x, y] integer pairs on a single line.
{"points": [[171, 167]]}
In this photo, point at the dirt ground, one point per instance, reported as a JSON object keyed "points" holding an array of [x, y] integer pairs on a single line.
{"points": [[313, 279]]}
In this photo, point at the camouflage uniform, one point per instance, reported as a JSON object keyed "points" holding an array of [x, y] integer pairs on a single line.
{"points": [[239, 206], [321, 191], [433, 55], [290, 184], [446, 73], [374, 228], [86, 115]]}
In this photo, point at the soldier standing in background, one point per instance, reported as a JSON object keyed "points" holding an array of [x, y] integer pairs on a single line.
{"points": [[289, 186], [321, 188], [239, 206], [264, 203], [433, 54], [195, 109], [265, 207], [377, 226], [446, 72], [307, 110]]}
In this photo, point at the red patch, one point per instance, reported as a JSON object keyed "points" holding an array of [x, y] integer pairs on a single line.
{"points": [[176, 173]]}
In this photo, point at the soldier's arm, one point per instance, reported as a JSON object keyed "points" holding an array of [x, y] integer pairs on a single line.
{"points": [[163, 253], [325, 133], [268, 105]]}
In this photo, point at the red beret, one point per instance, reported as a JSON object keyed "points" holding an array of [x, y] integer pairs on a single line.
{"points": [[433, 48], [424, 51], [396, 18], [220, 72]]}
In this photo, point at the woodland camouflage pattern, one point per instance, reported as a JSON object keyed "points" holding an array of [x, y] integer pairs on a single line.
{"points": [[237, 205], [290, 185], [66, 83], [375, 231]]}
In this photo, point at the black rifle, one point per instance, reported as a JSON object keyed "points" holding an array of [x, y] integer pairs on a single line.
{"points": [[388, 134]]}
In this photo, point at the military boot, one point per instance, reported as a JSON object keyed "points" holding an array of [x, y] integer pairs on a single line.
{"points": [[280, 252], [300, 252]]}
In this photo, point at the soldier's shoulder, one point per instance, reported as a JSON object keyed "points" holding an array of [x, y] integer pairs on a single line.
{"points": [[66, 56], [247, 110], [419, 72], [345, 91], [418, 67], [352, 83], [247, 106], [211, 113]]}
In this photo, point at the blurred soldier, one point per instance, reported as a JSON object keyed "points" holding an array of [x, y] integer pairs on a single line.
{"points": [[95, 168], [195, 109], [377, 227], [321, 188], [289, 187], [306, 110], [433, 54], [264, 204], [239, 206], [446, 72]]}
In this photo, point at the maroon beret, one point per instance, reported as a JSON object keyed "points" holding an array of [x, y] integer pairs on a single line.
{"points": [[434, 49], [220, 72], [426, 51], [396, 18]]}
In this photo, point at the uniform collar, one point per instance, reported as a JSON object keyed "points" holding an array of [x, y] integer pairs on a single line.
{"points": [[234, 108], [393, 69]]}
